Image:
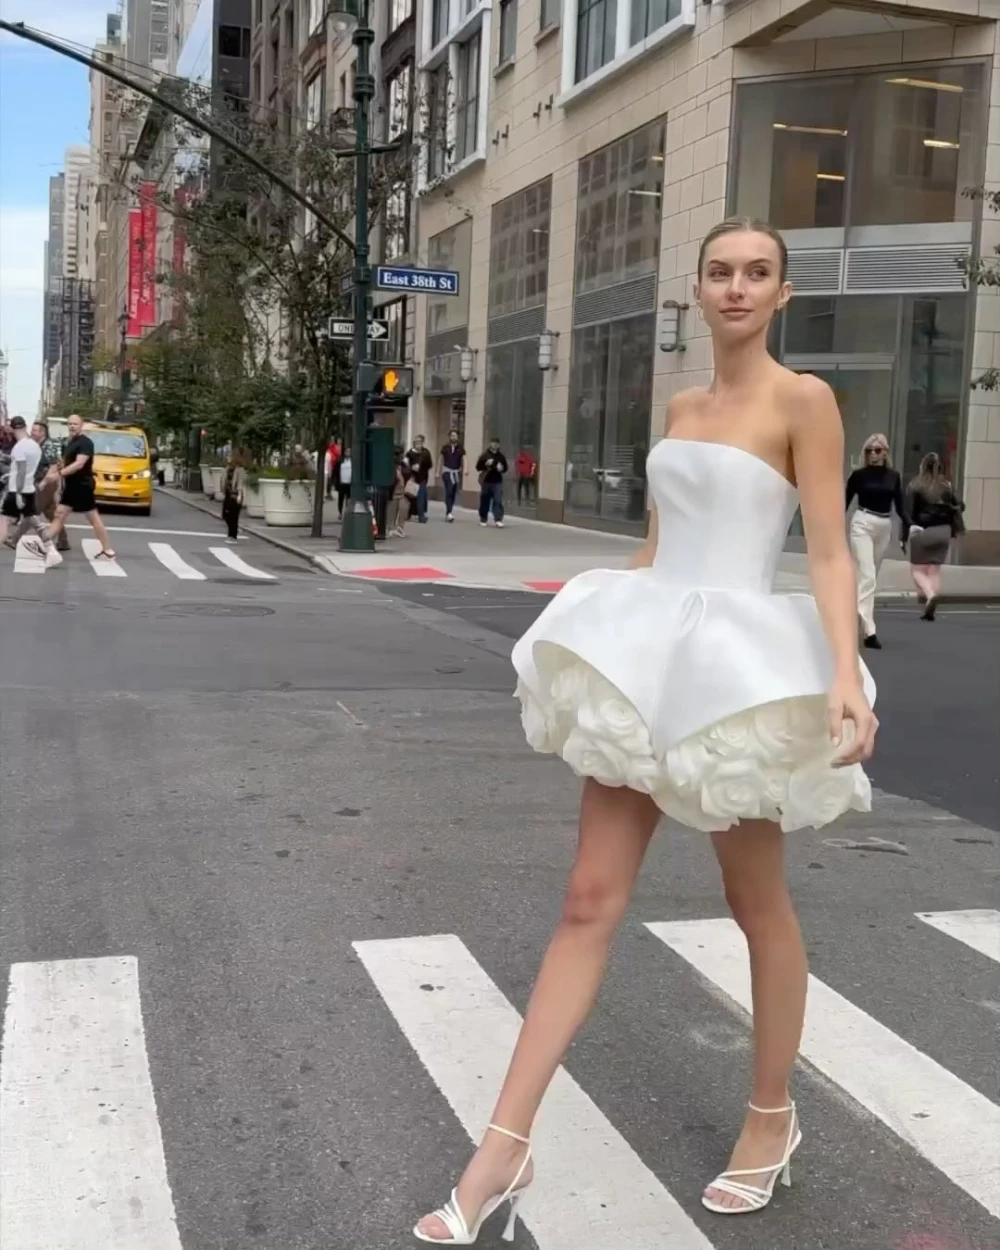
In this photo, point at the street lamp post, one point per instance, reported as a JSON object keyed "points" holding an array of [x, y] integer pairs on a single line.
{"points": [[356, 527]]}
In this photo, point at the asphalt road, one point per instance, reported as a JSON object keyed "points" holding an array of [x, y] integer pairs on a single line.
{"points": [[234, 781]]}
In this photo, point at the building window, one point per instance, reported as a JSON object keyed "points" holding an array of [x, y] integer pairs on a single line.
{"points": [[618, 210], [448, 315], [437, 123], [650, 15], [508, 31], [397, 221], [399, 104], [229, 41], [467, 98], [595, 35], [314, 99], [551, 14], [399, 11], [873, 149], [439, 21], [519, 250], [317, 16]]}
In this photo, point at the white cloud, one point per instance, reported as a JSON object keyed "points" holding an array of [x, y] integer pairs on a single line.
{"points": [[73, 21], [23, 232]]}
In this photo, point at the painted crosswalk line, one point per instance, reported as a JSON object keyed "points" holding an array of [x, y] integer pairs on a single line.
{"points": [[228, 557], [596, 1191], [26, 558], [83, 1165], [978, 928], [952, 1125], [170, 559], [103, 568]]}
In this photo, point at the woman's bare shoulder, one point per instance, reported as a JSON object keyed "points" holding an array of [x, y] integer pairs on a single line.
{"points": [[690, 400]]}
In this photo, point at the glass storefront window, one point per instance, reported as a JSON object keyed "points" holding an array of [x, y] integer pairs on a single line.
{"points": [[618, 213], [519, 250], [792, 155], [934, 328], [514, 403], [883, 147], [913, 165], [451, 249], [846, 323], [611, 390]]}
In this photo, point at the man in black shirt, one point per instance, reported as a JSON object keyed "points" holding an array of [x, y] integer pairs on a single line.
{"points": [[452, 472], [491, 466], [421, 463], [77, 473]]}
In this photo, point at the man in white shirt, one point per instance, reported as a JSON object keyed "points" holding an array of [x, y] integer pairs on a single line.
{"points": [[20, 503]]}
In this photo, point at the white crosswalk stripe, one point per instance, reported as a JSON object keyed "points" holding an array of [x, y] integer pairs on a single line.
{"points": [[949, 1123], [596, 1190], [979, 929], [82, 1156], [170, 559], [233, 561], [103, 568]]}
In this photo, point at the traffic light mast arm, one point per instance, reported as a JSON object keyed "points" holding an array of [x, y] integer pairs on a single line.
{"points": [[109, 71]]}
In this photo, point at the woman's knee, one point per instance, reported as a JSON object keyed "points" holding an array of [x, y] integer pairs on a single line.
{"points": [[594, 904], [757, 904]]}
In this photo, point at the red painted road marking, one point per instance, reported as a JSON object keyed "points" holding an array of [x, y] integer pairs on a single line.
{"points": [[406, 573], [931, 1241], [549, 586]]}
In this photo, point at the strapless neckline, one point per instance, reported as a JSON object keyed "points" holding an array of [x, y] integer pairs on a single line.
{"points": [[742, 451]]}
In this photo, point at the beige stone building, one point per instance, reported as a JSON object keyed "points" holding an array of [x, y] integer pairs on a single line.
{"points": [[587, 147]]}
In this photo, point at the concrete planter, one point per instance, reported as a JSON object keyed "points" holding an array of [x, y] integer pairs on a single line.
{"points": [[211, 480], [169, 473], [253, 501], [286, 503]]}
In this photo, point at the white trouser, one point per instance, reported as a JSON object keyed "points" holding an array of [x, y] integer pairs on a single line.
{"points": [[870, 535]]}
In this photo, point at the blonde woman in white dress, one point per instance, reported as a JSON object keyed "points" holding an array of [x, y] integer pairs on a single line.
{"points": [[685, 687]]}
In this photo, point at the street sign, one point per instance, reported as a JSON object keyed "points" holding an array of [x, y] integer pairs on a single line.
{"points": [[427, 281], [378, 331]]}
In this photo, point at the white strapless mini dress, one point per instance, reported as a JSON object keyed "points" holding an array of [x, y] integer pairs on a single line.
{"points": [[693, 681]]}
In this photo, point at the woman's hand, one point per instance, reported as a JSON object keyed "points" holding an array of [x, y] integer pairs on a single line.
{"points": [[847, 701]]}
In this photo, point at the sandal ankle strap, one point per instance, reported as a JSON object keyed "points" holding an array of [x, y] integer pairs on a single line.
{"points": [[525, 1141], [764, 1110]]}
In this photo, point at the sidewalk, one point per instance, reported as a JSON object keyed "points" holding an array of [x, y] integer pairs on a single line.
{"points": [[534, 556]]}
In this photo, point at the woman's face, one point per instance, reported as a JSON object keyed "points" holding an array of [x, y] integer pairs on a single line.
{"points": [[877, 453], [740, 288]]}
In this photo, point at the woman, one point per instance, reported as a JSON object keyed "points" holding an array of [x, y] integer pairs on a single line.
{"points": [[233, 492], [684, 686], [935, 519], [343, 471], [398, 503], [879, 489]]}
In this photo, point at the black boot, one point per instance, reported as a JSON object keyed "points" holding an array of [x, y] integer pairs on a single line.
{"points": [[930, 610], [872, 643]]}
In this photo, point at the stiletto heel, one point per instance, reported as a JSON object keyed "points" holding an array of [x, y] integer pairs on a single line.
{"points": [[508, 1232], [451, 1215], [756, 1197]]}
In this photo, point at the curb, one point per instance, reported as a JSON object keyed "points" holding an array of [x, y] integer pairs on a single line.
{"points": [[263, 535], [321, 563]]}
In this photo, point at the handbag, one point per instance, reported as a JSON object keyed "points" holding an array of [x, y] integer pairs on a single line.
{"points": [[411, 489]]}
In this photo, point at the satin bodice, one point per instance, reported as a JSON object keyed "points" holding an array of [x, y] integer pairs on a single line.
{"points": [[723, 515]]}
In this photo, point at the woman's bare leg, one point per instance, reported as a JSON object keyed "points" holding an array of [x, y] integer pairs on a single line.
{"points": [[751, 856], [615, 828], [921, 579], [100, 530]]}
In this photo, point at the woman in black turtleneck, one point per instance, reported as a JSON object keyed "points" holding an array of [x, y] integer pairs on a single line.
{"points": [[879, 490]]}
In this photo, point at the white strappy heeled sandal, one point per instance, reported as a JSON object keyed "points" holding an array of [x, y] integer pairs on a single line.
{"points": [[755, 1197], [451, 1215]]}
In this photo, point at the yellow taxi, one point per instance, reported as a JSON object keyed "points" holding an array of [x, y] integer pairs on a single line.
{"points": [[123, 475]]}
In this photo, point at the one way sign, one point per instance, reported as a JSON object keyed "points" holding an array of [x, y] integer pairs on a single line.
{"points": [[378, 331]]}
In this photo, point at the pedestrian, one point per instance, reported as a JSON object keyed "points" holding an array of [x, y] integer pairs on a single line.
{"points": [[343, 472], [452, 472], [233, 495], [77, 474], [46, 487], [879, 490], [525, 470], [421, 464], [935, 516], [20, 509], [333, 455], [399, 510], [491, 467], [623, 675]]}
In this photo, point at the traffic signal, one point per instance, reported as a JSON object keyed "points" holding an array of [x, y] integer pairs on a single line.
{"points": [[394, 382]]}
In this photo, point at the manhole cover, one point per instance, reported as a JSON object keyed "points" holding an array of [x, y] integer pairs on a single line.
{"points": [[215, 609]]}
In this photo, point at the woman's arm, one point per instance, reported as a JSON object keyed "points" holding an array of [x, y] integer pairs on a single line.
{"points": [[852, 488], [817, 440]]}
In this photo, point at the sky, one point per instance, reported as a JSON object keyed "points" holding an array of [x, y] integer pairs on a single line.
{"points": [[44, 107]]}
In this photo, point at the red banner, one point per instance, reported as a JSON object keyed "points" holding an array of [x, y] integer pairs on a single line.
{"points": [[135, 251], [147, 295]]}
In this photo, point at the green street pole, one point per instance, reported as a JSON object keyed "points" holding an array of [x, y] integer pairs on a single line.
{"points": [[356, 527]]}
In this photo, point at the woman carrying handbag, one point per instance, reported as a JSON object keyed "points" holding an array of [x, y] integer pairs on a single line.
{"points": [[934, 512]]}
